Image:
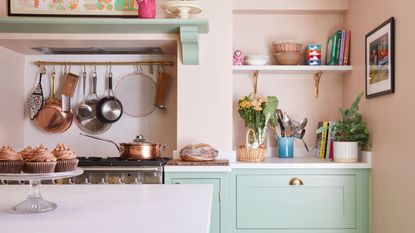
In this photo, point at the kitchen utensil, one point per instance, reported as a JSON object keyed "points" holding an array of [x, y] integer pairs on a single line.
{"points": [[182, 9], [301, 136], [36, 99], [137, 93], [286, 122], [279, 117], [109, 109], [51, 118], [83, 109], [138, 149], [163, 85], [90, 123], [69, 84]]}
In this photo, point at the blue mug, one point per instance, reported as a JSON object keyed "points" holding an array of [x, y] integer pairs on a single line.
{"points": [[286, 147]]}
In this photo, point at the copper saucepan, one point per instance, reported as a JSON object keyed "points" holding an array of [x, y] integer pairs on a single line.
{"points": [[52, 118], [138, 149]]}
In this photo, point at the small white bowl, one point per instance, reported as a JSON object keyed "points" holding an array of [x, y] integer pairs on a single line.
{"points": [[256, 60]]}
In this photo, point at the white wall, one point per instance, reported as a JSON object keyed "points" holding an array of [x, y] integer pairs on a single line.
{"points": [[254, 34], [159, 126], [12, 94]]}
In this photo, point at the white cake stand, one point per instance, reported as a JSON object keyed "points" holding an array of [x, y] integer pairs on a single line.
{"points": [[34, 202], [183, 9]]}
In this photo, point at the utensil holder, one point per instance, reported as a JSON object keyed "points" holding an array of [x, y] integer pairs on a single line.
{"points": [[286, 147], [248, 154]]}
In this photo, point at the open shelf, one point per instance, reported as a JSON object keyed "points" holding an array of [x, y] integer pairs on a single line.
{"points": [[300, 69], [188, 29]]}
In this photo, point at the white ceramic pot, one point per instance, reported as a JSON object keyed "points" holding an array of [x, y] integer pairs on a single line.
{"points": [[345, 152]]}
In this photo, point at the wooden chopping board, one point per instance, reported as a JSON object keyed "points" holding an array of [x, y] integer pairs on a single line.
{"points": [[218, 162]]}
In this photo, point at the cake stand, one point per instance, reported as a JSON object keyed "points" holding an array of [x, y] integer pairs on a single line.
{"points": [[183, 9], [34, 202]]}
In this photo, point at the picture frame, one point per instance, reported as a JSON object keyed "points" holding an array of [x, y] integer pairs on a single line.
{"points": [[73, 8], [380, 60]]}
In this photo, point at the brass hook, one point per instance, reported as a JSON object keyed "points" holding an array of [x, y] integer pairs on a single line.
{"points": [[317, 77]]}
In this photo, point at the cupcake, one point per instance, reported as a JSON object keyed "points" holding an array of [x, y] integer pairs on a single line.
{"points": [[40, 161], [66, 159], [10, 161], [26, 152]]}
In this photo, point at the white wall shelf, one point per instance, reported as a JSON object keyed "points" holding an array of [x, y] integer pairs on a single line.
{"points": [[300, 69]]}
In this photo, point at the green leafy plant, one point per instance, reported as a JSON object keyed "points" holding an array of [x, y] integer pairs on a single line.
{"points": [[258, 112], [351, 128]]}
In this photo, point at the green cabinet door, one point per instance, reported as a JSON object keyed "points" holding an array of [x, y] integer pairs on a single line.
{"points": [[269, 201], [216, 213]]}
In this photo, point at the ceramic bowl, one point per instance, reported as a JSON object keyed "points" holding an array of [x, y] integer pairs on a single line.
{"points": [[288, 58], [287, 46], [256, 60]]}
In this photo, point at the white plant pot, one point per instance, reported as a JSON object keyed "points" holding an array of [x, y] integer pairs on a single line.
{"points": [[345, 152]]}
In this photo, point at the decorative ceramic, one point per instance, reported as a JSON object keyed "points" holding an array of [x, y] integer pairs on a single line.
{"points": [[345, 152], [182, 9], [238, 58], [146, 9]]}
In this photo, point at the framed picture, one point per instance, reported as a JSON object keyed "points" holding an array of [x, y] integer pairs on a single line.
{"points": [[65, 8], [380, 60]]}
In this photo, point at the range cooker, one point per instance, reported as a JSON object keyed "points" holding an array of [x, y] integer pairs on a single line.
{"points": [[114, 170]]}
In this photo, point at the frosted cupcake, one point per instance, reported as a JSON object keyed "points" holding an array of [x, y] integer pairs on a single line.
{"points": [[66, 159], [26, 152], [40, 161], [10, 160]]}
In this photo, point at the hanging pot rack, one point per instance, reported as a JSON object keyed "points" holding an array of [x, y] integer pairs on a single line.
{"points": [[89, 63]]}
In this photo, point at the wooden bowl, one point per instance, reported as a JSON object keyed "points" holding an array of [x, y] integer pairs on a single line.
{"points": [[288, 58]]}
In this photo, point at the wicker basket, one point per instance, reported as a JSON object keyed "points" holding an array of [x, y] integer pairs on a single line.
{"points": [[247, 154]]}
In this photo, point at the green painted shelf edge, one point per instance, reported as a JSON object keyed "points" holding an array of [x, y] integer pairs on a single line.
{"points": [[189, 29]]}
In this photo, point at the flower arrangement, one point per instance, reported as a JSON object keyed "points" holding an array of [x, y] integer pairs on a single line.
{"points": [[258, 113]]}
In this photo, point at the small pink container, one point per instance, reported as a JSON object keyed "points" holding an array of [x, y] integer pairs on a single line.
{"points": [[146, 9]]}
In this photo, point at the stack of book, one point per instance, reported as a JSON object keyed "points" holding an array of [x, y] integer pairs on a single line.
{"points": [[324, 142], [338, 48]]}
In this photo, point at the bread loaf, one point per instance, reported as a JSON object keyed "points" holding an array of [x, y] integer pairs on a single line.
{"points": [[198, 152]]}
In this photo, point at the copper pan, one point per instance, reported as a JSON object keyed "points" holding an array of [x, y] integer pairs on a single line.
{"points": [[51, 118]]}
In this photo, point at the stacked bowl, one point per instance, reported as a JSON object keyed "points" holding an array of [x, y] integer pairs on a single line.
{"points": [[288, 52]]}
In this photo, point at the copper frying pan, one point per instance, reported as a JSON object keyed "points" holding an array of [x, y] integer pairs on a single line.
{"points": [[51, 118]]}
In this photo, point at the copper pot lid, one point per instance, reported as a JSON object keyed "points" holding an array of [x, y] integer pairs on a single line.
{"points": [[139, 141]]}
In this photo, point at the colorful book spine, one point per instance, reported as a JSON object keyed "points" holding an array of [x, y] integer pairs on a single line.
{"points": [[329, 140], [333, 56], [342, 45], [347, 48], [318, 139], [339, 41], [323, 141]]}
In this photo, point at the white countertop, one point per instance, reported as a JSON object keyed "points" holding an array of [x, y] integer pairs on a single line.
{"points": [[111, 209], [300, 162]]}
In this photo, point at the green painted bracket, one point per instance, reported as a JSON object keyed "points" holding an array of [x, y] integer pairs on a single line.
{"points": [[189, 37]]}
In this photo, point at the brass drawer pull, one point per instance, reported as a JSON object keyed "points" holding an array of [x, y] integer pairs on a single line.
{"points": [[296, 182]]}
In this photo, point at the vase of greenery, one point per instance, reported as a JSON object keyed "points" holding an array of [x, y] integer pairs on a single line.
{"points": [[349, 134]]}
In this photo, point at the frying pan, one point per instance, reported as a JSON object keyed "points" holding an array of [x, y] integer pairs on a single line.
{"points": [[109, 109], [51, 118], [90, 123]]}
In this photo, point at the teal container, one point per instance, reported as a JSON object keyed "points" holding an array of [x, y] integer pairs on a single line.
{"points": [[286, 147]]}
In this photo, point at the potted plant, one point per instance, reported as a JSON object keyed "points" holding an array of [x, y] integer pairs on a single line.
{"points": [[349, 134]]}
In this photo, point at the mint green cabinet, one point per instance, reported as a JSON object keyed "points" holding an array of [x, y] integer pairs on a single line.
{"points": [[219, 182], [334, 201]]}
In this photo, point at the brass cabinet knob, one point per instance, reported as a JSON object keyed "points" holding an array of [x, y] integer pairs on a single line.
{"points": [[296, 182]]}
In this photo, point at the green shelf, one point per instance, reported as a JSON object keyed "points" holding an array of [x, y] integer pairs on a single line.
{"points": [[188, 29]]}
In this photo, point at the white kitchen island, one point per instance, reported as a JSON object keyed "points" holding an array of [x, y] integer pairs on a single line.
{"points": [[111, 209]]}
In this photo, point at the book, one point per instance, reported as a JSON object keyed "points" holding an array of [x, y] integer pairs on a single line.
{"points": [[323, 141], [329, 47], [342, 45], [338, 45], [333, 55], [347, 48], [329, 140], [318, 139]]}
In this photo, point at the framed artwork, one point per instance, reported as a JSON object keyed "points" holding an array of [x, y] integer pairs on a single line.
{"points": [[65, 8], [380, 60]]}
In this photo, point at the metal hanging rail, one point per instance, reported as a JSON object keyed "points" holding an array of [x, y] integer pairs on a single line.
{"points": [[52, 63]]}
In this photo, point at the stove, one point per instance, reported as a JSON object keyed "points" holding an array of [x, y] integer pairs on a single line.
{"points": [[113, 170]]}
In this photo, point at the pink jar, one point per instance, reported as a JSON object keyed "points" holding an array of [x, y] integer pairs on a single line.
{"points": [[146, 9]]}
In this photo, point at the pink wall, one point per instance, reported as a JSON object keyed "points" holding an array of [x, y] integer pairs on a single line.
{"points": [[389, 117]]}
